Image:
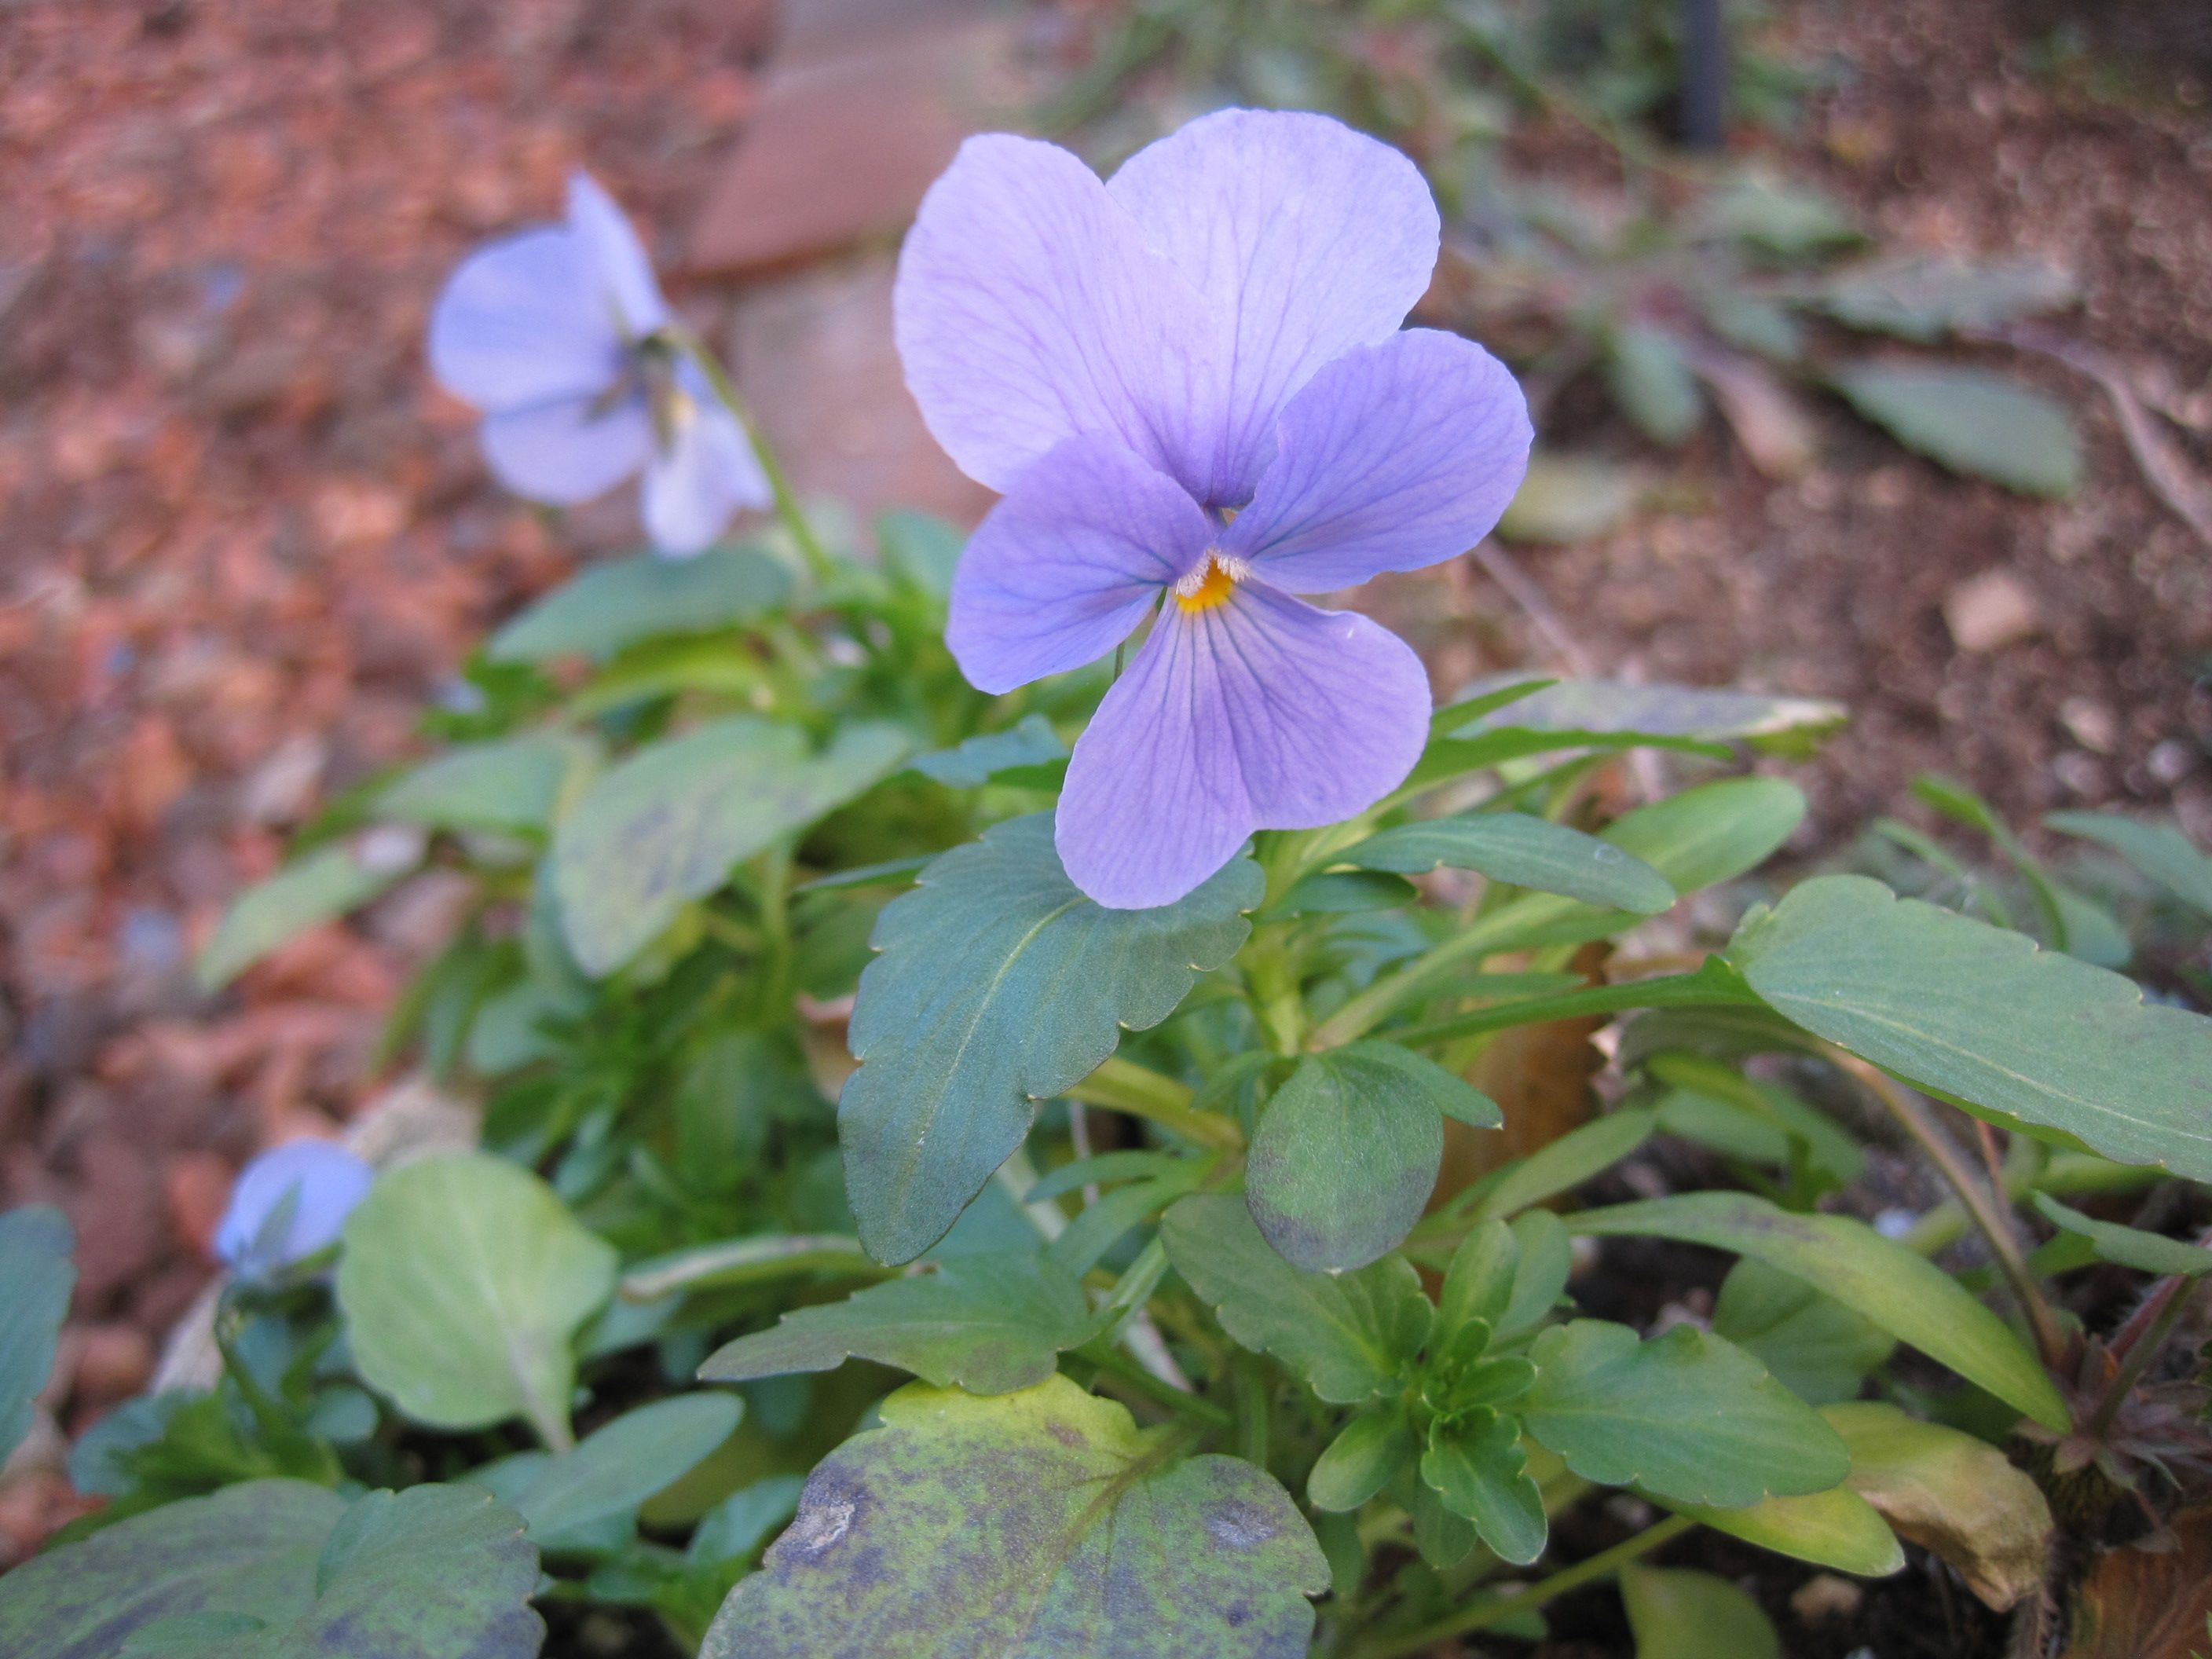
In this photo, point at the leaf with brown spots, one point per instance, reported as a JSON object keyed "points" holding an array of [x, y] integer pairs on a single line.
{"points": [[1027, 1526]]}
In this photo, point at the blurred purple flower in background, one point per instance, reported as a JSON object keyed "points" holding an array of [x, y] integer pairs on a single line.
{"points": [[1190, 380], [320, 1181], [560, 335]]}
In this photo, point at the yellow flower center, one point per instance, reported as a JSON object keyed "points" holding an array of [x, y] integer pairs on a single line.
{"points": [[1209, 584]]}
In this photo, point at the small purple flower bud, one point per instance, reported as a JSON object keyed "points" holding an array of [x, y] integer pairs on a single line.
{"points": [[290, 1202]]}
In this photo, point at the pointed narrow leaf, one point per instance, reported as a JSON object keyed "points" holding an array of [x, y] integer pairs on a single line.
{"points": [[1917, 298], [1677, 1614], [1345, 1155], [988, 1323], [1972, 422], [1713, 833], [667, 824], [512, 784], [1519, 851], [1540, 1277], [2130, 1246], [1363, 1459], [1000, 985], [1479, 1283], [1904, 1293], [2159, 851], [1715, 714], [1687, 1415], [1980, 1014], [1480, 1470], [970, 763], [320, 887], [617, 1467], [608, 606], [35, 1268], [1037, 1525], [1566, 1163], [1350, 1335], [1834, 1529], [463, 1282]]}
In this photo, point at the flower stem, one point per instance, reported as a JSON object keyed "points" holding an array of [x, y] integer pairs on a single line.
{"points": [[818, 562], [1127, 1087], [1491, 1609], [2138, 1343]]}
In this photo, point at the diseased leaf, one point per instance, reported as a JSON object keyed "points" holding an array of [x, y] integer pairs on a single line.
{"points": [[1980, 1014], [1678, 1613], [1904, 1293], [2159, 851], [1972, 422], [1834, 1529], [38, 1275], [1687, 1415], [1815, 1347], [1951, 1493], [989, 1323], [1519, 851], [1027, 1526], [1350, 1335], [1479, 1468], [1345, 1154], [618, 1467], [2130, 1246], [972, 762], [666, 825], [279, 1568], [1922, 299], [512, 784], [463, 1282], [320, 887], [1000, 985], [608, 606]]}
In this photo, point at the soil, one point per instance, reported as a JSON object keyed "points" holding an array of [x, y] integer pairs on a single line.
{"points": [[245, 541]]}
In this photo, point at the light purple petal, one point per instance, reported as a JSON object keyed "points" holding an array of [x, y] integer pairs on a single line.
{"points": [[618, 258], [1394, 455], [702, 480], [1260, 713], [1067, 565], [568, 450], [521, 321], [1306, 238], [1029, 311], [323, 1181]]}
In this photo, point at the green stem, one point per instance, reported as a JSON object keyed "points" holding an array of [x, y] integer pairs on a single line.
{"points": [[1492, 1609], [1127, 1087], [818, 562], [745, 1261], [2138, 1344]]}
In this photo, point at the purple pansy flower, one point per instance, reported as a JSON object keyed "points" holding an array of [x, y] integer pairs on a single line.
{"points": [[1190, 383], [320, 1180], [560, 335]]}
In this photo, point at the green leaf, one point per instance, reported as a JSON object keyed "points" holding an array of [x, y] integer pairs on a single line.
{"points": [[1712, 833], [1952, 1493], [1350, 1335], [463, 1282], [1651, 381], [36, 1243], [1922, 299], [279, 1568], [1345, 1154], [1000, 985], [1788, 220], [1687, 1415], [1980, 1014], [735, 1527], [1479, 1468], [1834, 1529], [1564, 1164], [1365, 1457], [1972, 422], [1708, 713], [1540, 1277], [1519, 851], [1570, 498], [318, 888], [2159, 851], [513, 784], [989, 1323], [1479, 1283], [1815, 1347], [612, 605], [1027, 1526], [1678, 1613], [666, 825], [2129, 1247], [970, 763], [1905, 1294], [618, 1467], [921, 547]]}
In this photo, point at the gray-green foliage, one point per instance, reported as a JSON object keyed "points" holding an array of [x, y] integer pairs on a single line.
{"points": [[38, 1275], [1030, 1526], [610, 606], [1000, 985]]}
